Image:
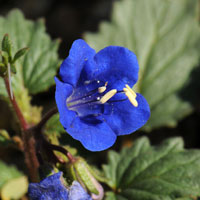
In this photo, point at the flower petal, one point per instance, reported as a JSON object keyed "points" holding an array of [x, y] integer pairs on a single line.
{"points": [[117, 65], [72, 66], [63, 91], [125, 118], [93, 133], [50, 188], [77, 192]]}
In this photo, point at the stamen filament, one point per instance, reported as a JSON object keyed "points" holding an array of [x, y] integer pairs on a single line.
{"points": [[82, 104], [80, 98], [108, 96]]}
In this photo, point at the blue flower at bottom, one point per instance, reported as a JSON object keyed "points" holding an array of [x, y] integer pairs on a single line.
{"points": [[52, 188], [94, 97]]}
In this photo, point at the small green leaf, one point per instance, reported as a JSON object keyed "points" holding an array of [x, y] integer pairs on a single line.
{"points": [[7, 173], [20, 53], [2, 69], [15, 188], [5, 57], [5, 138], [146, 172], [13, 69], [6, 44], [165, 36], [53, 126], [110, 196]]}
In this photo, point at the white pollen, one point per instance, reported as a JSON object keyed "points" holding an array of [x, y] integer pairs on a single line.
{"points": [[87, 82], [98, 81], [108, 96], [98, 98]]}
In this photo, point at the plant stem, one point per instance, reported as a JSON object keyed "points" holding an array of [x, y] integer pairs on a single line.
{"points": [[27, 136], [30, 154], [18, 112], [45, 118], [62, 150]]}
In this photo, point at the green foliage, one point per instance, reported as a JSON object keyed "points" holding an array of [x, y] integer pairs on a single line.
{"points": [[79, 170], [145, 172], [6, 45], [37, 68], [13, 184], [15, 188], [39, 65], [20, 53], [165, 36], [8, 173], [5, 138], [53, 126]]}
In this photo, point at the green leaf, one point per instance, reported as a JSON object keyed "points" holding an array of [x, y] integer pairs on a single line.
{"points": [[5, 138], [6, 44], [7, 173], [20, 53], [165, 36], [15, 188], [53, 126], [5, 57], [37, 68], [145, 172]]}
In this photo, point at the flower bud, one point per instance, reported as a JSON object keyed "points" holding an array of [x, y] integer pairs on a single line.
{"points": [[2, 69], [6, 45], [80, 171]]}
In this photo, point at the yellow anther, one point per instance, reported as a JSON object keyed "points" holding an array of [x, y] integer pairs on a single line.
{"points": [[102, 89], [130, 90], [131, 95], [108, 96], [131, 98]]}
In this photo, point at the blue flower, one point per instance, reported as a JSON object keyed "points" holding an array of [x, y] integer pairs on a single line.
{"points": [[49, 188], [76, 192], [94, 97], [52, 188]]}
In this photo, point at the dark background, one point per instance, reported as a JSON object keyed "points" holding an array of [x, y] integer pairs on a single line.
{"points": [[68, 20]]}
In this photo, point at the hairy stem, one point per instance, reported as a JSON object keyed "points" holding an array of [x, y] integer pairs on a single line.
{"points": [[45, 118], [27, 136], [30, 155], [22, 121]]}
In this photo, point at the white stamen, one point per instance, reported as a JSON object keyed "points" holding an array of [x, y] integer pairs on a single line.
{"points": [[98, 81], [108, 96]]}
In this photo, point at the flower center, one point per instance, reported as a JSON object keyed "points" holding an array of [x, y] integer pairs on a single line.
{"points": [[90, 98]]}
